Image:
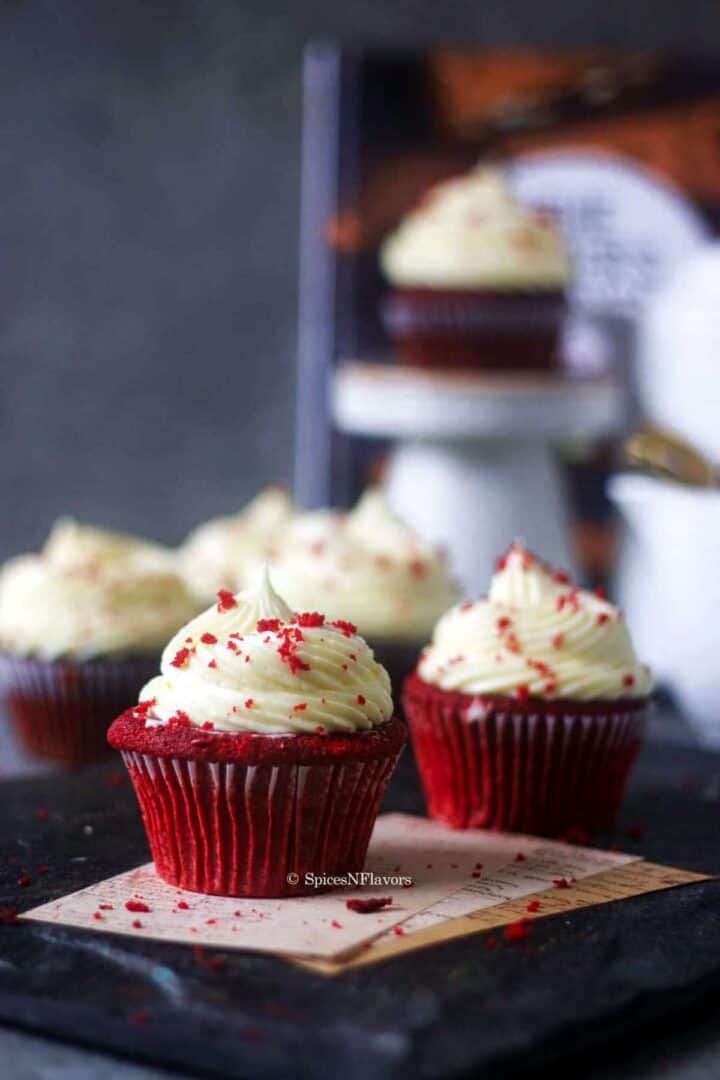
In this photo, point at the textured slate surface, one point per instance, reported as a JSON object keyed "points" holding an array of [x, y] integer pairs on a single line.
{"points": [[583, 979]]}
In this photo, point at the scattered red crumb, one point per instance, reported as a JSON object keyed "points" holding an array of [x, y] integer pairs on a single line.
{"points": [[504, 623], [478, 866], [291, 637], [136, 924], [226, 600], [347, 628], [517, 931], [561, 577], [249, 703], [561, 883], [511, 643], [8, 915], [603, 618], [136, 905], [558, 641], [367, 906], [42, 814], [309, 619], [98, 916], [143, 707], [319, 730], [207, 726], [523, 692], [183, 905], [336, 925], [43, 869], [208, 639], [180, 659], [24, 880], [361, 699], [140, 1018], [635, 832], [106, 907], [268, 626], [212, 663], [550, 687], [210, 962], [600, 592], [491, 942], [398, 930], [417, 567], [179, 719], [628, 681], [519, 857], [475, 874], [300, 707], [210, 922], [501, 563], [467, 606], [533, 906]]}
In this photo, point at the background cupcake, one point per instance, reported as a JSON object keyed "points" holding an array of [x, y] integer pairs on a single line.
{"points": [[478, 280], [367, 566], [526, 712], [81, 625], [262, 750], [217, 554]]}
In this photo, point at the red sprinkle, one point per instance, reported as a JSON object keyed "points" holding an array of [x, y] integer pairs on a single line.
{"points": [[183, 905], [398, 931], [137, 925], [97, 916], [347, 628], [212, 663], [517, 931], [226, 600], [523, 692], [417, 567], [366, 907], [600, 592], [207, 726], [558, 641], [336, 925], [628, 681], [504, 623], [501, 563], [269, 626], [208, 639], [249, 703], [603, 618], [300, 707], [309, 619], [561, 577], [106, 907], [136, 905], [360, 699], [561, 883], [181, 658], [533, 906]]}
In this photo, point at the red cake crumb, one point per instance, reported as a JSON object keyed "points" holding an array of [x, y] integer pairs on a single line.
{"points": [[561, 577], [361, 699], [533, 906], [226, 600], [336, 925], [600, 592], [628, 681], [106, 907], [561, 883], [291, 638], [143, 707], [136, 905], [519, 857], [309, 619], [183, 905], [212, 663], [24, 880], [180, 659], [268, 626], [208, 639], [98, 916], [398, 931], [558, 641], [417, 567], [517, 931], [501, 563], [504, 623], [179, 719], [522, 693], [367, 906], [136, 924], [603, 618], [207, 726], [249, 703], [345, 627], [300, 707]]}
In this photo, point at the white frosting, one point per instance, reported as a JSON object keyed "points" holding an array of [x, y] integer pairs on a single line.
{"points": [[535, 635], [367, 566], [231, 672], [217, 554], [91, 593], [470, 232]]}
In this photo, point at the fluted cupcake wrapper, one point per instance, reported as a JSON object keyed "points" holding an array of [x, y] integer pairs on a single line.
{"points": [[61, 709], [541, 768], [256, 830]]}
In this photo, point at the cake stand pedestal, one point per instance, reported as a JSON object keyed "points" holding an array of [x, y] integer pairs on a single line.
{"points": [[473, 465]]}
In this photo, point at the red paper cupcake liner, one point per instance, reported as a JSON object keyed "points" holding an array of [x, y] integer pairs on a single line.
{"points": [[61, 709], [235, 829], [487, 330], [542, 767]]}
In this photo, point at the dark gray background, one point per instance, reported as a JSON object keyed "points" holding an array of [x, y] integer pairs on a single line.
{"points": [[149, 188]]}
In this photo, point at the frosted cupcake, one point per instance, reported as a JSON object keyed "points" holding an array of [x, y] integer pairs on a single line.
{"points": [[478, 280], [217, 554], [81, 626], [367, 566], [262, 751], [526, 712]]}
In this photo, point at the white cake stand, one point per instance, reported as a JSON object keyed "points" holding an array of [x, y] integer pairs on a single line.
{"points": [[473, 465]]}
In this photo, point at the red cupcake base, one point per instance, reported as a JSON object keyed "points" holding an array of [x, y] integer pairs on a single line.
{"points": [[252, 815], [61, 709], [541, 767]]}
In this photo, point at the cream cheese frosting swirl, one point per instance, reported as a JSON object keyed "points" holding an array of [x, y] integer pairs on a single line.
{"points": [[91, 593], [217, 554], [470, 232], [535, 635], [367, 566], [248, 664]]}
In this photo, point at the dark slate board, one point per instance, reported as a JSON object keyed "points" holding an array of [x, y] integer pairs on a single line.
{"points": [[583, 979]]}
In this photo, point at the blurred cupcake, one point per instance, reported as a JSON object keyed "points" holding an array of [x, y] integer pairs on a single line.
{"points": [[478, 280], [216, 554], [262, 751], [527, 710], [81, 626], [367, 566]]}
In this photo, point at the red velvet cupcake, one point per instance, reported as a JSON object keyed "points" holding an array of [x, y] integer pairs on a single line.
{"points": [[527, 710], [478, 280], [262, 752], [81, 626]]}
